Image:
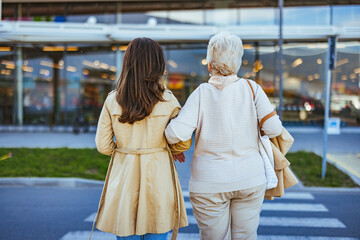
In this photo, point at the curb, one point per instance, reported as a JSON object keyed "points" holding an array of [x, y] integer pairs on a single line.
{"points": [[50, 182]]}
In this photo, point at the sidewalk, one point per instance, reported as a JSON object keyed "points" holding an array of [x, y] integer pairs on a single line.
{"points": [[47, 140], [348, 163]]}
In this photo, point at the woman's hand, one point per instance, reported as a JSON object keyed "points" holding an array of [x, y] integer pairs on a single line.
{"points": [[179, 157]]}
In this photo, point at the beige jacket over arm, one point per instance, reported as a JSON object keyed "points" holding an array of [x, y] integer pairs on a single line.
{"points": [[142, 193]]}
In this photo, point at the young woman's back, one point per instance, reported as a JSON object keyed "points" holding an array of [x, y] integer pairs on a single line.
{"points": [[140, 191], [142, 194]]}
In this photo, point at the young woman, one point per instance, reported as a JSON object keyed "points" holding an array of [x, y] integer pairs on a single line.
{"points": [[227, 182], [142, 197]]}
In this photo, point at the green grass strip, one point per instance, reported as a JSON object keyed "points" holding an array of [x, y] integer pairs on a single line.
{"points": [[307, 166], [88, 163], [59, 162]]}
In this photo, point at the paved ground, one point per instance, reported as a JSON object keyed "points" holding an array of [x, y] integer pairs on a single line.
{"points": [[66, 212], [56, 213]]}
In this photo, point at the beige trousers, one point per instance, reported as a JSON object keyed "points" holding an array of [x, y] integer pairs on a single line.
{"points": [[230, 215]]}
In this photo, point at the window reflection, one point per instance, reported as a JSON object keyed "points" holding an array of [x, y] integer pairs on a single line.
{"points": [[303, 78], [222, 16], [41, 80], [345, 99], [303, 83], [257, 16], [7, 84], [346, 15], [187, 16], [90, 77], [186, 68], [307, 15]]}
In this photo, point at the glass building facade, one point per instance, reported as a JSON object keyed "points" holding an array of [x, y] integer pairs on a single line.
{"points": [[56, 84]]}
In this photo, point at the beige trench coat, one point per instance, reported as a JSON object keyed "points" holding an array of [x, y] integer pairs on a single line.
{"points": [[286, 178], [142, 192]]}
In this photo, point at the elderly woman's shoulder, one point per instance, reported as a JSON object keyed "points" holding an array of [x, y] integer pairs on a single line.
{"points": [[252, 82]]}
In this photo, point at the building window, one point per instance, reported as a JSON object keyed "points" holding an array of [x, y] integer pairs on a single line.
{"points": [[346, 15], [7, 84], [90, 76], [345, 97], [308, 16]]}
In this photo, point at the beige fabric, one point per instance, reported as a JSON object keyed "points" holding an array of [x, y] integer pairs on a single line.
{"points": [[142, 193], [230, 215], [221, 82], [280, 146]]}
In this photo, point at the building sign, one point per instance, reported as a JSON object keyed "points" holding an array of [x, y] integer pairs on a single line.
{"points": [[334, 126]]}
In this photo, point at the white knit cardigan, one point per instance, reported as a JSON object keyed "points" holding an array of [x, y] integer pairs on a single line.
{"points": [[226, 156]]}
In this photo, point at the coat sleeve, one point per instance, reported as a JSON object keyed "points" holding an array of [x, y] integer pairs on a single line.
{"points": [[271, 127], [104, 138], [182, 127]]}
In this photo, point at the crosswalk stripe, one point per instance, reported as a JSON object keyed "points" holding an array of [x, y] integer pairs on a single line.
{"points": [[298, 207], [186, 236], [266, 207], [97, 235], [297, 196], [278, 237], [301, 222], [90, 218], [292, 222], [191, 218], [84, 235]]}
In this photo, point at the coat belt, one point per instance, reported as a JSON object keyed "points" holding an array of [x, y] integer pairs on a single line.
{"points": [[139, 151]]}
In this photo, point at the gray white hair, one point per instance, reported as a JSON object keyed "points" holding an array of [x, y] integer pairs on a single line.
{"points": [[224, 52]]}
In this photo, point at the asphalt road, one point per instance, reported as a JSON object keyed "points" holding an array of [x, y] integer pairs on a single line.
{"points": [[53, 213]]}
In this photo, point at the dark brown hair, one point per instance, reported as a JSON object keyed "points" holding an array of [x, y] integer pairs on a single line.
{"points": [[139, 86]]}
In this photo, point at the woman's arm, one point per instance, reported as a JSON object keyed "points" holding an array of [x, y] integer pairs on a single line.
{"points": [[272, 127], [104, 138], [182, 146], [182, 127]]}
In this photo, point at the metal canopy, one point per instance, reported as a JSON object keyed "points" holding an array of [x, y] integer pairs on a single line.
{"points": [[26, 32]]}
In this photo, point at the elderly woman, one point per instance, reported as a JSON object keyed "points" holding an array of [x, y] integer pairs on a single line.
{"points": [[228, 181]]}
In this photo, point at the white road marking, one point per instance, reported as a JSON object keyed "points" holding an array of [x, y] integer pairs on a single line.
{"points": [[292, 222], [278, 237], [298, 207], [90, 218], [297, 195], [188, 205], [97, 235], [301, 222], [186, 236], [192, 219], [84, 235]]}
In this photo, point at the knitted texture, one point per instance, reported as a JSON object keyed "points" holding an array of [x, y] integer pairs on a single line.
{"points": [[226, 156]]}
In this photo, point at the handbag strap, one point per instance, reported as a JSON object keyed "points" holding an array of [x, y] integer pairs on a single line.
{"points": [[266, 118], [268, 115]]}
